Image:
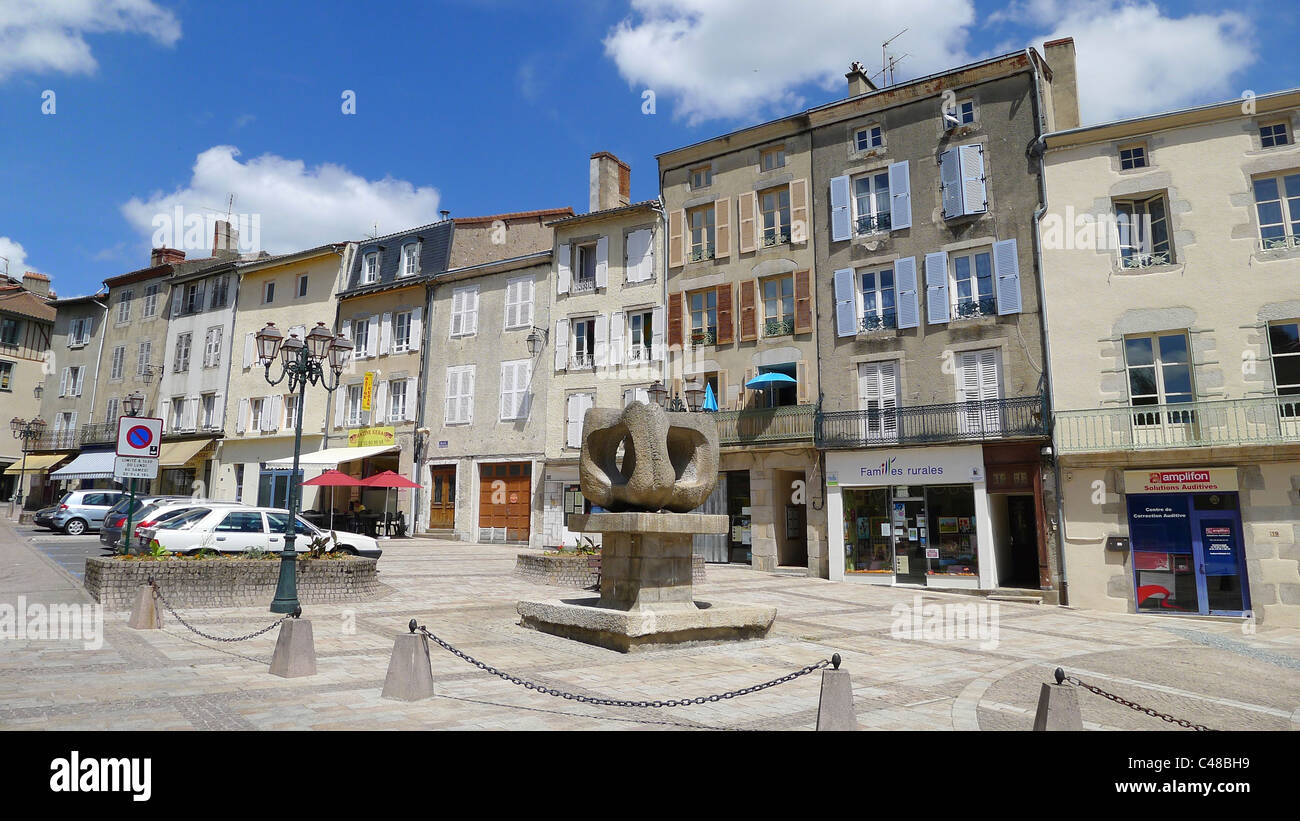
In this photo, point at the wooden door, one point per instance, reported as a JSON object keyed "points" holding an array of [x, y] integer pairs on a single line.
{"points": [[505, 502], [442, 497]]}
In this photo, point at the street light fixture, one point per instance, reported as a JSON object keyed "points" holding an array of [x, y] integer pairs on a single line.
{"points": [[535, 340], [38, 390], [134, 404], [27, 432], [302, 363], [694, 395]]}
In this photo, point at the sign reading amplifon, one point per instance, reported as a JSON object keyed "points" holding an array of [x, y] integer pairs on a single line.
{"points": [[1181, 480]]}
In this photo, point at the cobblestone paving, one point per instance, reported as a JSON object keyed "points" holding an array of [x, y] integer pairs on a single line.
{"points": [[1206, 671]]}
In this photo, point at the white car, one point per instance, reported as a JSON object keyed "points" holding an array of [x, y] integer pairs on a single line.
{"points": [[235, 529]]}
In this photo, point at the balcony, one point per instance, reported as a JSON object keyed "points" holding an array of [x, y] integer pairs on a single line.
{"points": [[582, 362], [887, 320], [1131, 259], [771, 238], [1279, 242], [703, 336], [982, 421], [582, 285], [1267, 420], [55, 440], [701, 253], [99, 433], [873, 223], [789, 423], [968, 308], [779, 327]]}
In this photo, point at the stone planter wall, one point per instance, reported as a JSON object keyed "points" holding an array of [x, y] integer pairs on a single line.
{"points": [[577, 571], [231, 582]]}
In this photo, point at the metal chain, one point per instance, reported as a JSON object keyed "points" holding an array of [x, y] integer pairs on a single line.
{"points": [[612, 702], [1132, 705], [158, 595]]}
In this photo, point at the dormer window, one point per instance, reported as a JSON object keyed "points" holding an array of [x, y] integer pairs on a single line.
{"points": [[770, 159], [370, 268], [1272, 135], [1133, 156], [410, 259], [865, 139]]}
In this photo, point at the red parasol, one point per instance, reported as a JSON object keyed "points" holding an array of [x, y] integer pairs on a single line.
{"points": [[332, 479], [388, 479]]}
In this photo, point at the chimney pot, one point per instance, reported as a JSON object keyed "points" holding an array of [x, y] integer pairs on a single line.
{"points": [[859, 82], [610, 182]]}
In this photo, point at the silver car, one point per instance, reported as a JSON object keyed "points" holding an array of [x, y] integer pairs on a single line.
{"points": [[79, 511]]}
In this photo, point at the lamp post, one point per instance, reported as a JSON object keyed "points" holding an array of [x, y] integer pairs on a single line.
{"points": [[302, 363], [134, 404], [692, 401], [26, 431]]}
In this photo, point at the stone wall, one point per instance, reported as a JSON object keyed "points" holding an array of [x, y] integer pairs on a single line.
{"points": [[577, 571], [231, 582]]}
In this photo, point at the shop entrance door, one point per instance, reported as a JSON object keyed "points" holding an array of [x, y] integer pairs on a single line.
{"points": [[442, 498], [908, 528], [505, 496], [1216, 537]]}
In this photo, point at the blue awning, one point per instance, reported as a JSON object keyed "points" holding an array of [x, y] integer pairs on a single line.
{"points": [[96, 465]]}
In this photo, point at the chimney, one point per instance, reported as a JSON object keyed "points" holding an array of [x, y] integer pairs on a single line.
{"points": [[859, 82], [36, 283], [611, 182], [1059, 55], [165, 256], [225, 240]]}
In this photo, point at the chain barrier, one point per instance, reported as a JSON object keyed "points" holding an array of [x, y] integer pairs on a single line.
{"points": [[613, 702], [1132, 705], [158, 595]]}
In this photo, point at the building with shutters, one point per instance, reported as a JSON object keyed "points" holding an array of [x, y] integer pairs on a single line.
{"points": [[28, 316], [605, 316], [69, 384], [930, 331], [1171, 261], [740, 304]]}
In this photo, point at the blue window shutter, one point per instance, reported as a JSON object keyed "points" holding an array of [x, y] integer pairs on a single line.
{"points": [[936, 287], [900, 191], [846, 304], [840, 208], [909, 308], [973, 189], [1006, 270], [950, 183]]}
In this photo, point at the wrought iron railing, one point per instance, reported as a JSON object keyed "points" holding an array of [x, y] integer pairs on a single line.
{"points": [[1279, 243], [989, 419], [55, 440], [579, 361], [1267, 420], [885, 320], [583, 284], [702, 253], [771, 238], [703, 337], [1144, 260], [967, 308], [98, 433], [779, 327], [873, 223], [789, 423]]}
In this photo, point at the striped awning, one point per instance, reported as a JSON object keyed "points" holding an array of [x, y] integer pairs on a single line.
{"points": [[36, 464], [96, 465]]}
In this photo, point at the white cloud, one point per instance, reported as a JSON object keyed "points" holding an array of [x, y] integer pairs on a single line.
{"points": [[15, 258], [296, 207], [747, 58], [49, 35]]}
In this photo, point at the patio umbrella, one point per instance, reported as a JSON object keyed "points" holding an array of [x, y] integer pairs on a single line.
{"points": [[332, 479], [767, 380], [387, 479], [710, 401]]}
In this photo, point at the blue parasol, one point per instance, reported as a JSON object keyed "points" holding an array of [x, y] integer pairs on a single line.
{"points": [[710, 401]]}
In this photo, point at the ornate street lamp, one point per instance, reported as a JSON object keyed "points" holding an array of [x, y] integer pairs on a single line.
{"points": [[658, 394], [694, 395], [134, 403], [27, 432], [302, 362], [38, 390], [535, 340]]}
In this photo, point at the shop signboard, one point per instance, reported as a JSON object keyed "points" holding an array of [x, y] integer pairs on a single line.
{"points": [[1181, 480], [371, 437]]}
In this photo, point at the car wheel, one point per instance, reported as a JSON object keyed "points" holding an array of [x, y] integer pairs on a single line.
{"points": [[347, 550], [75, 527]]}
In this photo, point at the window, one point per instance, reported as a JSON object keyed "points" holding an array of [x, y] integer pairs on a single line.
{"points": [[464, 311], [193, 298], [640, 336], [701, 177], [212, 348], [302, 285], [361, 336], [112, 411], [966, 112], [460, 395], [878, 396], [972, 284], [370, 268], [144, 353], [865, 139], [241, 522], [772, 158], [704, 316], [396, 400], [1143, 232], [78, 333], [209, 403], [963, 186], [182, 362], [401, 332], [514, 388], [220, 289], [775, 206], [584, 343], [70, 384], [355, 415], [268, 293], [6, 376], [1272, 135], [1133, 156], [1159, 373], [979, 386], [119, 358], [519, 303], [178, 413], [778, 306], [410, 259], [1284, 345], [150, 301], [291, 410], [1277, 203], [9, 331], [871, 203], [878, 309], [701, 221], [124, 306], [584, 272]]}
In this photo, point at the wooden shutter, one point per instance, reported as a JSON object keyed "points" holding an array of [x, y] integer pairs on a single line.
{"points": [[722, 228], [675, 320], [63, 382], [1006, 271], [799, 211], [676, 221], [614, 354], [602, 262], [467, 395], [747, 394], [841, 229], [936, 287], [724, 402], [803, 314], [748, 311], [726, 320], [909, 307], [562, 271], [803, 390], [250, 349], [561, 344], [81, 378], [745, 204], [900, 195]]}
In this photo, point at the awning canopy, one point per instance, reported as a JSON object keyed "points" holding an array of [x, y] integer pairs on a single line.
{"points": [[37, 464], [97, 465], [331, 457], [175, 454]]}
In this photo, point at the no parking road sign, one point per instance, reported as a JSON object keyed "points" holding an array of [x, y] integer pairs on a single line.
{"points": [[138, 436]]}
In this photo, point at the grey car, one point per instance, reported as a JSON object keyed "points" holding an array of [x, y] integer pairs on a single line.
{"points": [[79, 511], [115, 521]]}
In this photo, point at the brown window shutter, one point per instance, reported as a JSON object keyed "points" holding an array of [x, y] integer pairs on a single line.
{"points": [[747, 395], [676, 219], [675, 320], [803, 314], [748, 311], [722, 228], [722, 391], [801, 376], [799, 211], [726, 322], [746, 203]]}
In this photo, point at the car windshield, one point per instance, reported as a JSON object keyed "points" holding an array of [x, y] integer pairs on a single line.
{"points": [[190, 517], [174, 513], [277, 520]]}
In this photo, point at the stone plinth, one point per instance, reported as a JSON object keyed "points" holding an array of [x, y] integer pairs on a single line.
{"points": [[631, 630]]}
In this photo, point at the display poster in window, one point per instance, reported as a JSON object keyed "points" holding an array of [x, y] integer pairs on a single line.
{"points": [[963, 524], [912, 534], [900, 514], [884, 529], [900, 564], [1220, 546], [932, 552], [366, 389], [947, 524]]}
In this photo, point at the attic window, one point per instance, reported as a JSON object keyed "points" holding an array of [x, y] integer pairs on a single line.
{"points": [[370, 267], [1133, 156], [1272, 135], [772, 158], [410, 259], [868, 138]]}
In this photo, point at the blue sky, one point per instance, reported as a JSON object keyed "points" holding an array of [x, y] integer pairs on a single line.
{"points": [[484, 106]]}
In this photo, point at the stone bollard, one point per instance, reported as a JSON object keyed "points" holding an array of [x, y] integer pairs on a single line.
{"points": [[145, 615], [1058, 706], [410, 672], [835, 708], [295, 649]]}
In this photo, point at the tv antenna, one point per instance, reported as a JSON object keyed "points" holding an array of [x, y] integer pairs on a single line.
{"points": [[887, 63], [230, 207]]}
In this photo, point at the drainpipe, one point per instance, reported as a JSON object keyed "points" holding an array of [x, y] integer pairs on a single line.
{"points": [[99, 359], [422, 382], [1039, 148]]}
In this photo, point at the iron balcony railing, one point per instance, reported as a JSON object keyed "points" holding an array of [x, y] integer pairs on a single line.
{"points": [[1267, 420], [789, 423], [699, 254], [970, 307], [55, 440], [873, 223], [884, 321], [98, 433], [984, 420], [583, 284], [779, 327]]}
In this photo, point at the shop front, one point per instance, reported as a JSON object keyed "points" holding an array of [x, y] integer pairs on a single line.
{"points": [[914, 516]]}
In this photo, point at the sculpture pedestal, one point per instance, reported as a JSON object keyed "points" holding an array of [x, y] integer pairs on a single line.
{"points": [[646, 589]]}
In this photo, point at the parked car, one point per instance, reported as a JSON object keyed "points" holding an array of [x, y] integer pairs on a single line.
{"points": [[227, 530], [78, 511], [110, 534], [168, 510]]}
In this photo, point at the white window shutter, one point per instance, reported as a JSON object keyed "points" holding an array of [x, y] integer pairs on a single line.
{"points": [[602, 336], [526, 310], [950, 183], [241, 421], [410, 399], [467, 398], [602, 262], [657, 334], [936, 287], [372, 336], [571, 426], [561, 344], [417, 330], [379, 402], [385, 333], [841, 227], [562, 273], [974, 191], [81, 378], [614, 354], [346, 330], [909, 306], [471, 317], [188, 414], [63, 383], [1006, 271], [506, 391], [846, 303], [268, 411], [449, 399], [900, 192], [340, 398]]}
